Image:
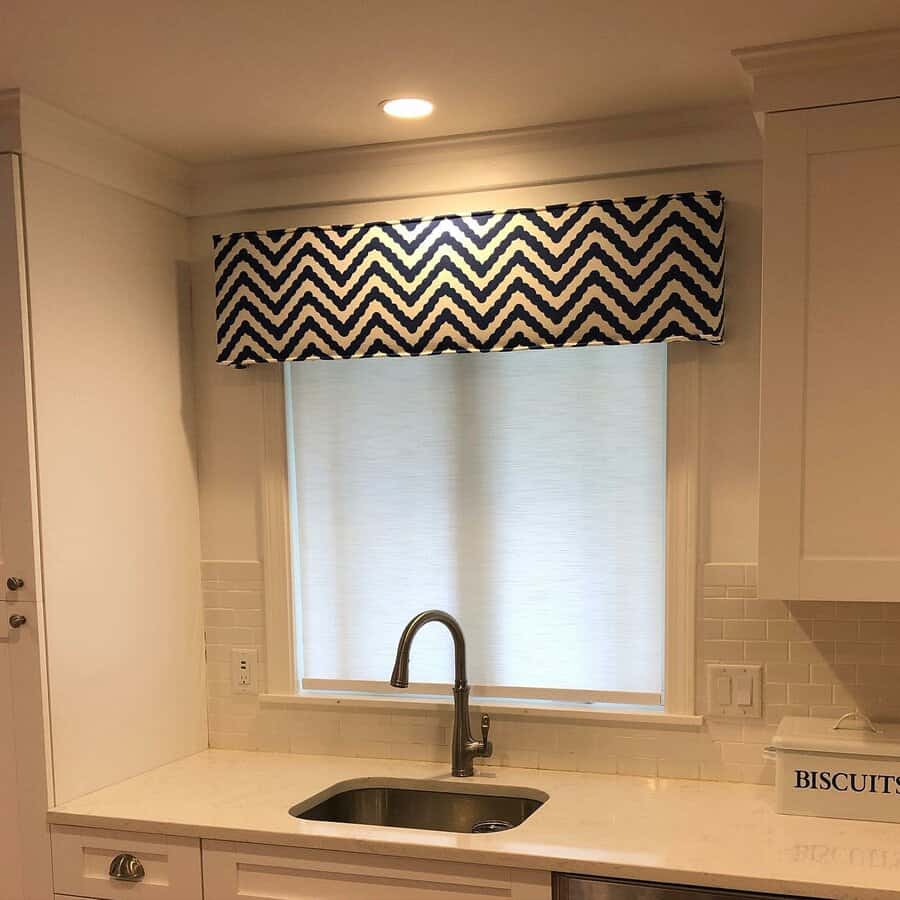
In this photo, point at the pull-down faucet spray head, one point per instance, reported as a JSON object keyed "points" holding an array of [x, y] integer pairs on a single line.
{"points": [[400, 675]]}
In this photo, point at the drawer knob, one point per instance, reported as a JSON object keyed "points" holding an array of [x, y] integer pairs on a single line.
{"points": [[126, 867]]}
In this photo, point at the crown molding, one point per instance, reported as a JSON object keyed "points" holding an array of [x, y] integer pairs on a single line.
{"points": [[489, 161], [43, 132], [552, 154], [822, 72]]}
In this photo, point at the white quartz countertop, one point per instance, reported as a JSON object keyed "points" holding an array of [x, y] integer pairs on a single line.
{"points": [[684, 832]]}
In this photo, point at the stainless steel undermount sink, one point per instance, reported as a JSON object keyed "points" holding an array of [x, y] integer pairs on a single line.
{"points": [[399, 804]]}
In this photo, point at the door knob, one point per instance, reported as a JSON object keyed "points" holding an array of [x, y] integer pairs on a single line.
{"points": [[17, 621], [14, 584]]}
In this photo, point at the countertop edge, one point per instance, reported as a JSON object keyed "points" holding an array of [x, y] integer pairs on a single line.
{"points": [[574, 865]]}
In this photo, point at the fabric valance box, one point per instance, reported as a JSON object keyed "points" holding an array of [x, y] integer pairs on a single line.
{"points": [[639, 270]]}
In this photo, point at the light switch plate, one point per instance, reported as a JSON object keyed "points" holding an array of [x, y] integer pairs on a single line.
{"points": [[734, 692], [245, 671]]}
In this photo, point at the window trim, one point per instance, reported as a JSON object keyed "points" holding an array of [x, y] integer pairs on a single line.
{"points": [[682, 529], [682, 526], [498, 692], [634, 715], [275, 534]]}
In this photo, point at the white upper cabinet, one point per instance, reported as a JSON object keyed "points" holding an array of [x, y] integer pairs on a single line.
{"points": [[830, 365]]}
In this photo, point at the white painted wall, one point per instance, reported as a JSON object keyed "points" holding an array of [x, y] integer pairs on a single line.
{"points": [[110, 306], [229, 401]]}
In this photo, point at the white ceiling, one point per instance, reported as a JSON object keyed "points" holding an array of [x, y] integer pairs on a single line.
{"points": [[208, 81]]}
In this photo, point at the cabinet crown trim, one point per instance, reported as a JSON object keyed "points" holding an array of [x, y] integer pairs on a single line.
{"points": [[845, 68]]}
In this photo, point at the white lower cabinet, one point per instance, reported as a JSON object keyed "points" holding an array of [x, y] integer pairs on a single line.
{"points": [[175, 869], [233, 871], [82, 858]]}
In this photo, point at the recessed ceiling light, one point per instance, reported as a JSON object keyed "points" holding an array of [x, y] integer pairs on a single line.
{"points": [[408, 107]]}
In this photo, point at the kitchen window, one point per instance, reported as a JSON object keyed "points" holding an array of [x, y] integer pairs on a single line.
{"points": [[545, 499]]}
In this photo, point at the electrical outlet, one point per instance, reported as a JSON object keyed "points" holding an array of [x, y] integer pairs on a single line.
{"points": [[244, 671], [734, 692]]}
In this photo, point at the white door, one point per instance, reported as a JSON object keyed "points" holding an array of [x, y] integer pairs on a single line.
{"points": [[24, 837]]}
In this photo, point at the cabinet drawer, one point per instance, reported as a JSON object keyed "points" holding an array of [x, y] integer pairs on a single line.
{"points": [[81, 859], [234, 871]]}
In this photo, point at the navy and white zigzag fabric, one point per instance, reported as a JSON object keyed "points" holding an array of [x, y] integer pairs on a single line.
{"points": [[639, 270]]}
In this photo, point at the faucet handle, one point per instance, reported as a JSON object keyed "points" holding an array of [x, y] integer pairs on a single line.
{"points": [[487, 748]]}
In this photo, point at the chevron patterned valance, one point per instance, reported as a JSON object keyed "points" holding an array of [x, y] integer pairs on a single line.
{"points": [[639, 270]]}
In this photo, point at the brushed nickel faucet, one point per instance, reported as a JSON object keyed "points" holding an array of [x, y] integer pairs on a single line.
{"points": [[464, 748]]}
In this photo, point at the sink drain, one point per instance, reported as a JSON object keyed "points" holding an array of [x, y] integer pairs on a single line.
{"points": [[490, 826]]}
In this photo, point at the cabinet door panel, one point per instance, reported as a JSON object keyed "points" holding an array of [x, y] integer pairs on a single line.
{"points": [[830, 392], [24, 839], [234, 871]]}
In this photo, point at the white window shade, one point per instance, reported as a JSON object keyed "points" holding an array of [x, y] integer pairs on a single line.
{"points": [[522, 492]]}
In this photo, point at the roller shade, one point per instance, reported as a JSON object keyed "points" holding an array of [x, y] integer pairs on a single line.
{"points": [[632, 271]]}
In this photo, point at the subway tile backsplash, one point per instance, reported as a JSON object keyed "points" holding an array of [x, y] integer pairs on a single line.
{"points": [[818, 659]]}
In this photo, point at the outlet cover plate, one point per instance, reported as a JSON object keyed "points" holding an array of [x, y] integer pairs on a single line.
{"points": [[734, 692], [245, 671]]}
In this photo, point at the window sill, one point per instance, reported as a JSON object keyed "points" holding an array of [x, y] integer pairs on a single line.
{"points": [[513, 708]]}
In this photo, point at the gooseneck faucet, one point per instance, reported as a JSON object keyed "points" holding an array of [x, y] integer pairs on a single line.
{"points": [[464, 747]]}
